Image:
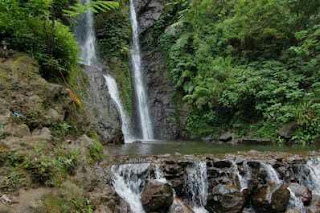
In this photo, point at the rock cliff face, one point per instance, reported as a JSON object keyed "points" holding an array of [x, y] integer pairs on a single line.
{"points": [[102, 109], [168, 119]]}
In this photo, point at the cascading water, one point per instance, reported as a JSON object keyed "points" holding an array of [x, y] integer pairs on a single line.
{"points": [[142, 100], [271, 172], [273, 177], [114, 93], [197, 186], [242, 179], [295, 202], [159, 174], [87, 42], [312, 175], [128, 181], [87, 38]]}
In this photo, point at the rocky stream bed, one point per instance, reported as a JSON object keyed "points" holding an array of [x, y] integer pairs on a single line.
{"points": [[247, 182]]}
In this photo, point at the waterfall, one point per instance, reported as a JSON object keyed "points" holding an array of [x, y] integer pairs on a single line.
{"points": [[114, 93], [87, 38], [295, 202], [312, 175], [242, 179], [197, 186], [158, 173], [142, 100], [271, 172], [128, 181]]}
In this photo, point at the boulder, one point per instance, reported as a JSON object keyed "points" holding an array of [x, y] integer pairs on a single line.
{"points": [[4, 117], [43, 134], [225, 137], [287, 130], [226, 198], [19, 131], [157, 197], [314, 205], [207, 139], [273, 198], [301, 192], [179, 207], [53, 116]]}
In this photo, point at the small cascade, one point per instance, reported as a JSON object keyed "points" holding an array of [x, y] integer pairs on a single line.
{"points": [[272, 177], [142, 100], [159, 174], [295, 202], [197, 186], [114, 93], [272, 173], [311, 175], [128, 181], [86, 37], [242, 179]]}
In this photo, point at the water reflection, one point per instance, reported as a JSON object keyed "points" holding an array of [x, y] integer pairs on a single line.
{"points": [[194, 147]]}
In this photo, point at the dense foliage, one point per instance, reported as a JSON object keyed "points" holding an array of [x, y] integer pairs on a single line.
{"points": [[42, 28], [114, 37], [249, 65], [35, 27]]}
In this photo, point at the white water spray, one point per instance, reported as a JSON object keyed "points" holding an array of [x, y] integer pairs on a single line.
{"points": [[242, 179], [271, 172], [159, 174], [114, 93], [312, 179], [142, 100], [128, 181], [88, 42], [295, 202], [197, 186]]}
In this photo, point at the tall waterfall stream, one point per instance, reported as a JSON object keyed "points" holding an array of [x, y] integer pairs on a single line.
{"points": [[114, 93], [139, 84]]}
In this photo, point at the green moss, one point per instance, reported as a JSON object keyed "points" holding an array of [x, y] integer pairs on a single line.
{"points": [[79, 82], [69, 198], [122, 74], [96, 151], [114, 43], [13, 179]]}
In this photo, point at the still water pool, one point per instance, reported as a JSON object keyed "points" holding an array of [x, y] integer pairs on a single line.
{"points": [[196, 147]]}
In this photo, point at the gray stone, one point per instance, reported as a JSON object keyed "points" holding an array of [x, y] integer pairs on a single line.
{"points": [[43, 134], [225, 137], [157, 197], [315, 205], [4, 117], [179, 207], [273, 198], [53, 116], [149, 12], [102, 111], [301, 192], [287, 130], [19, 131], [226, 198]]}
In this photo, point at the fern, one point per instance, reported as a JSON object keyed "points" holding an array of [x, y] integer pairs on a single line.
{"points": [[96, 6]]}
